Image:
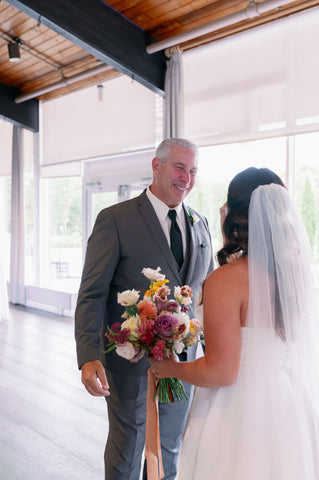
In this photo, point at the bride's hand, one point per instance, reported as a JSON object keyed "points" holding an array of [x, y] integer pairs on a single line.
{"points": [[163, 368]]}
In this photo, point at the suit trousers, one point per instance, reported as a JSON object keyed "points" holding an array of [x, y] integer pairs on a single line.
{"points": [[127, 417]]}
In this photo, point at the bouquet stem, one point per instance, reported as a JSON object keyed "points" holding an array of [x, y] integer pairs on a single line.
{"points": [[170, 390]]}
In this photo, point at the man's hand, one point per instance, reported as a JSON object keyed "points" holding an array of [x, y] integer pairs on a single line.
{"points": [[94, 379]]}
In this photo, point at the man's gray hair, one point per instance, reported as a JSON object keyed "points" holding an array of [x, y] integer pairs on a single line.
{"points": [[164, 149]]}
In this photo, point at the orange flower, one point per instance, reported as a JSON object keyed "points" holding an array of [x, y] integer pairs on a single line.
{"points": [[147, 309]]}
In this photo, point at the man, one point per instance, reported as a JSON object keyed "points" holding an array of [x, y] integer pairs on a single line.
{"points": [[126, 238]]}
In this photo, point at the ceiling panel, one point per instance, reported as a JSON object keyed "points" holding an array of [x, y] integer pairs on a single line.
{"points": [[50, 58]]}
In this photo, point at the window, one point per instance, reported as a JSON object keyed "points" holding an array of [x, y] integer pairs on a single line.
{"points": [[219, 164], [61, 264], [306, 189]]}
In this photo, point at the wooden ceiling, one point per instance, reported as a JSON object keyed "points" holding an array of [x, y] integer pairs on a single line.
{"points": [[61, 39]]}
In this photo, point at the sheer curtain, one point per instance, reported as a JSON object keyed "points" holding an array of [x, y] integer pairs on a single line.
{"points": [[16, 290], [174, 97]]}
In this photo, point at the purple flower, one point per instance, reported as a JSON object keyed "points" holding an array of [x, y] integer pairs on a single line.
{"points": [[161, 304], [165, 325], [171, 306]]}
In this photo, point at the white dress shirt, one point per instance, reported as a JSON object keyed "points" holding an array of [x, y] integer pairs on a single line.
{"points": [[161, 210]]}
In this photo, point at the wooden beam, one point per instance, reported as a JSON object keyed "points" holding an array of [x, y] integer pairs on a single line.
{"points": [[104, 33], [25, 115]]}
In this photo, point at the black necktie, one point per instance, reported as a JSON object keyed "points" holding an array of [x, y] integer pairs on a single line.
{"points": [[176, 238]]}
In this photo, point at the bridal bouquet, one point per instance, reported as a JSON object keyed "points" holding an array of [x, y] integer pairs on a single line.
{"points": [[156, 325]]}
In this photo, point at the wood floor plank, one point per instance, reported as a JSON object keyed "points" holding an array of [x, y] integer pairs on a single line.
{"points": [[13, 466], [49, 458], [50, 427]]}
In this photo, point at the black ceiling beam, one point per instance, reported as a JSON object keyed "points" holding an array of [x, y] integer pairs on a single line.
{"points": [[104, 33], [24, 115]]}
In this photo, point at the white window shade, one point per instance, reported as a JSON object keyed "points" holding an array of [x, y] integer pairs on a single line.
{"points": [[68, 169], [132, 168], [79, 127], [263, 82]]}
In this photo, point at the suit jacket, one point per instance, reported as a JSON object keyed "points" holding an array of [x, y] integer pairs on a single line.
{"points": [[126, 238]]}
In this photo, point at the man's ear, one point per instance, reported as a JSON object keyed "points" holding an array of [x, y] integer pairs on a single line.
{"points": [[156, 165]]}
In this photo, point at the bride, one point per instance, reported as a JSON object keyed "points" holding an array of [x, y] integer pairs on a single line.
{"points": [[254, 414]]}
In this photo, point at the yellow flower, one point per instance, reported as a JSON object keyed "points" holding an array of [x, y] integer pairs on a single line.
{"points": [[194, 327], [154, 287]]}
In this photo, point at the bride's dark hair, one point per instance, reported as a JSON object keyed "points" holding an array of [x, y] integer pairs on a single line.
{"points": [[235, 227]]}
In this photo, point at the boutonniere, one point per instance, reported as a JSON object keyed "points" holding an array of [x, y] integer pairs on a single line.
{"points": [[193, 218]]}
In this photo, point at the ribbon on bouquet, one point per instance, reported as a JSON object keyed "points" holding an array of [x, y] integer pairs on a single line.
{"points": [[153, 453]]}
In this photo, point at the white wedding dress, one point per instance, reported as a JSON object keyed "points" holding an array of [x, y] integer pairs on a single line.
{"points": [[264, 426], [251, 430]]}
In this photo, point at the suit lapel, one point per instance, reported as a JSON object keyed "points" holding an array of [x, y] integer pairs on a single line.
{"points": [[150, 217]]}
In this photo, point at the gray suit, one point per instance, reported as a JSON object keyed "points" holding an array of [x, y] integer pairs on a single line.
{"points": [[126, 238]]}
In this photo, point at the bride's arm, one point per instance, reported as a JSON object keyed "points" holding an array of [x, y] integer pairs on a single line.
{"points": [[223, 299]]}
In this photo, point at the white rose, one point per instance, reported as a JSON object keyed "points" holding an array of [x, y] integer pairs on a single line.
{"points": [[126, 350], [153, 275], [128, 297], [132, 323], [183, 319], [178, 346]]}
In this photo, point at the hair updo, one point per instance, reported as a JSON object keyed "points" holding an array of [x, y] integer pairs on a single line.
{"points": [[235, 227]]}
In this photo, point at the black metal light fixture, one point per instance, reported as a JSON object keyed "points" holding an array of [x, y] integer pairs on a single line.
{"points": [[14, 50]]}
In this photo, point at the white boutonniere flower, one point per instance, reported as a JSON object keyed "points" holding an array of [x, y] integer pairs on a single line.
{"points": [[193, 218]]}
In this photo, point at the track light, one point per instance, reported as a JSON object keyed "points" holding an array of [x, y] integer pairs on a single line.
{"points": [[14, 50]]}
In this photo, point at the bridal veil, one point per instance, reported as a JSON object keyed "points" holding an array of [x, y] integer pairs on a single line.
{"points": [[265, 425], [282, 325]]}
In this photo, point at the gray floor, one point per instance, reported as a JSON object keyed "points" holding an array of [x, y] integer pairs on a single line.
{"points": [[50, 427]]}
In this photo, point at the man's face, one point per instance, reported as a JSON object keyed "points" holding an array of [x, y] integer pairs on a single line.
{"points": [[175, 178]]}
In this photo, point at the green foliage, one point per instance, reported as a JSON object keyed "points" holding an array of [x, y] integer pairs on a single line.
{"points": [[170, 390], [132, 310]]}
